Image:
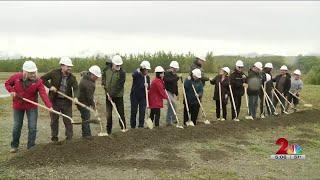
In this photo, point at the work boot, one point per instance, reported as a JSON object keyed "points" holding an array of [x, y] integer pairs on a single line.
{"points": [[13, 150]]}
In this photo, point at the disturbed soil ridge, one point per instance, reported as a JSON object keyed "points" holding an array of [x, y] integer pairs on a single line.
{"points": [[111, 151]]}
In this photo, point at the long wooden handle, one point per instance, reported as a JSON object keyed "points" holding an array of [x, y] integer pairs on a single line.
{"points": [[48, 109], [234, 104], [174, 111], [146, 90], [246, 97], [268, 98], [220, 98], [76, 102], [283, 97], [196, 94], [115, 108], [185, 100]]}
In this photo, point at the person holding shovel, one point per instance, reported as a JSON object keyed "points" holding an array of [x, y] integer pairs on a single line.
{"points": [[198, 64], [193, 103], [268, 85], [26, 85], [254, 82], [296, 87], [138, 93], [64, 81], [221, 92], [171, 83], [283, 85], [114, 79], [87, 88], [237, 79], [156, 95]]}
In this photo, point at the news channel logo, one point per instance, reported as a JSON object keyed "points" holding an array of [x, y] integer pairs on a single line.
{"points": [[288, 152]]}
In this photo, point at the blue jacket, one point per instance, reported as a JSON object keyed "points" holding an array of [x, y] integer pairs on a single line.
{"points": [[137, 89], [192, 99]]}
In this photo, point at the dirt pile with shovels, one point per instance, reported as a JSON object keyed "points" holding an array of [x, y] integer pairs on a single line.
{"points": [[113, 151]]}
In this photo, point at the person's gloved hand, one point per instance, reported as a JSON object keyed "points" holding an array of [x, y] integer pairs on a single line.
{"points": [[76, 100], [52, 88], [189, 77]]}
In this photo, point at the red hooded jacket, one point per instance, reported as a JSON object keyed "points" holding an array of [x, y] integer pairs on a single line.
{"points": [[157, 93], [15, 84]]}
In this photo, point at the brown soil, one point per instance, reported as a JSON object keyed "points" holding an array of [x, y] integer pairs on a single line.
{"points": [[111, 151]]}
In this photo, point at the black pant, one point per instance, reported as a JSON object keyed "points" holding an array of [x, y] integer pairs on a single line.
{"points": [[135, 104], [63, 106], [155, 116], [237, 102], [224, 109], [293, 99], [194, 111], [120, 107]]}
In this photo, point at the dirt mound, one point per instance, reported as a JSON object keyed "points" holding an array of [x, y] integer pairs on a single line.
{"points": [[111, 151]]}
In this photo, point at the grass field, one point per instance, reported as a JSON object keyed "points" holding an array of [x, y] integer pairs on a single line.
{"points": [[222, 150]]}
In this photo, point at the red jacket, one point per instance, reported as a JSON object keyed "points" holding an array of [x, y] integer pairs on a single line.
{"points": [[157, 93], [15, 84]]}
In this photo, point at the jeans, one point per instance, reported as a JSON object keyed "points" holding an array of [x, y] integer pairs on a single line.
{"points": [[135, 104], [253, 104], [18, 116], [61, 105], [120, 107], [85, 116], [171, 118]]}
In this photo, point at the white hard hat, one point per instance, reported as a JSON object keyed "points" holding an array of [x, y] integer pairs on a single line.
{"points": [[203, 58], [145, 65], [196, 72], [226, 69], [174, 64], [239, 63], [66, 61], [117, 60], [268, 77], [29, 66], [297, 72], [284, 68], [258, 65], [159, 69], [95, 70], [268, 65]]}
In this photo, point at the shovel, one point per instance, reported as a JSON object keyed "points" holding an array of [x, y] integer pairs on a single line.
{"points": [[268, 98], [48, 109], [220, 99], [189, 122], [291, 105], [265, 100], [117, 112], [284, 110], [234, 104], [203, 113], [101, 133], [148, 120], [304, 103], [174, 111], [246, 97]]}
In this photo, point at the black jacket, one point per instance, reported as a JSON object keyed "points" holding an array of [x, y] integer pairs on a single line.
{"points": [[195, 65], [171, 82], [86, 89], [237, 79], [286, 85], [54, 77], [137, 89], [224, 88]]}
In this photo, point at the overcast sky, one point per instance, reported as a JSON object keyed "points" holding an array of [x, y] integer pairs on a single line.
{"points": [[44, 29]]}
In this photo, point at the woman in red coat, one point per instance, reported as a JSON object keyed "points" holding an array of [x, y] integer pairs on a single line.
{"points": [[156, 95], [25, 85]]}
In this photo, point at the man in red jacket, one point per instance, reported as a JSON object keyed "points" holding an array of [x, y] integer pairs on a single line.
{"points": [[25, 85]]}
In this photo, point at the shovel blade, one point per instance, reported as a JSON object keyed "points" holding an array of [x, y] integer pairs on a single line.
{"points": [[190, 123], [207, 122], [308, 105], [102, 134], [179, 126], [149, 123]]}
